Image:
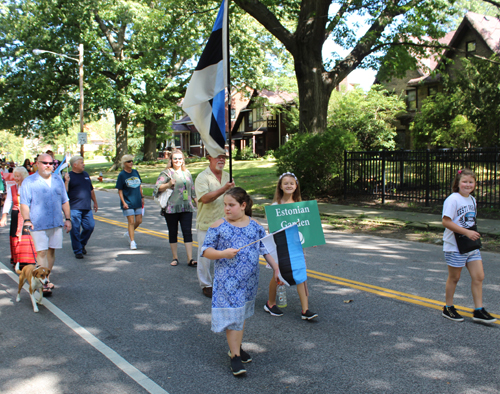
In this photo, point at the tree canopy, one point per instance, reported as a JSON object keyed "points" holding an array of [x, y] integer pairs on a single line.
{"points": [[466, 113], [366, 28], [138, 58]]}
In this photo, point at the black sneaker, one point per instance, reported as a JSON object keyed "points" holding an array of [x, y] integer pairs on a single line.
{"points": [[451, 313], [79, 256], [245, 357], [274, 311], [84, 251], [482, 316], [237, 366], [308, 315]]}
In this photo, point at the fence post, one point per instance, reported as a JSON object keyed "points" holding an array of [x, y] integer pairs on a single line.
{"points": [[345, 174], [383, 177], [427, 176]]}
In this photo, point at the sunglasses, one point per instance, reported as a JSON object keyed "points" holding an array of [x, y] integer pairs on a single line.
{"points": [[177, 159], [47, 163], [129, 161]]}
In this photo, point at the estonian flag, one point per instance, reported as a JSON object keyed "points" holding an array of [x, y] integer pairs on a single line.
{"points": [[206, 94], [285, 247], [61, 166]]}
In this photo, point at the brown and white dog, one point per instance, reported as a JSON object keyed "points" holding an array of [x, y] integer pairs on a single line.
{"points": [[36, 278]]}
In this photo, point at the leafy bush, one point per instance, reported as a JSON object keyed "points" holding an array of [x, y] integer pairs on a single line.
{"points": [[88, 155], [245, 154], [108, 151], [316, 159], [269, 155], [370, 116]]}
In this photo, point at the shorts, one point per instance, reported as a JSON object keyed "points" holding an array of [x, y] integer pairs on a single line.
{"points": [[458, 260], [132, 212], [51, 238]]}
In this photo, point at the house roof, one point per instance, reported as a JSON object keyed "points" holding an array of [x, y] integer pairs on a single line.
{"points": [[487, 26]]}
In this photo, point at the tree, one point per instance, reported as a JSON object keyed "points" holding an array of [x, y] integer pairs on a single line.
{"points": [[467, 113], [304, 26], [136, 55], [370, 117]]}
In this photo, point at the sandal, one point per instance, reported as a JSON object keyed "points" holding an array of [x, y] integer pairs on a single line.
{"points": [[192, 263], [174, 262]]}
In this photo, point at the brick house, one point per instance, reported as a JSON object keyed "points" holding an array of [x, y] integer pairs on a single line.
{"points": [[477, 34]]}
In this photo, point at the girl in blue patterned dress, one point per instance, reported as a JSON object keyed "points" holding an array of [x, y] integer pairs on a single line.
{"points": [[236, 271]]}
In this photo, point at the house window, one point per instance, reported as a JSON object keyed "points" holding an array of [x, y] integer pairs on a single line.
{"points": [[233, 113], [470, 48], [178, 115], [250, 120], [194, 139], [432, 91], [411, 97]]}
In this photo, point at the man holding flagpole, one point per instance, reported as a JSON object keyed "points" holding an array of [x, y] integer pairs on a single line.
{"points": [[210, 186]]}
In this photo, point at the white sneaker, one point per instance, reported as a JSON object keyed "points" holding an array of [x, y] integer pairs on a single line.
{"points": [[126, 235], [133, 245]]}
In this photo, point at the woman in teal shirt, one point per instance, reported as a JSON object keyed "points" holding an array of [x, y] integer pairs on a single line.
{"points": [[131, 196]]}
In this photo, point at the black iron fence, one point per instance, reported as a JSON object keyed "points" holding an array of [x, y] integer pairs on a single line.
{"points": [[420, 176]]}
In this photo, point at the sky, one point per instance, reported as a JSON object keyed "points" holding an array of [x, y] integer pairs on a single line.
{"points": [[357, 23]]}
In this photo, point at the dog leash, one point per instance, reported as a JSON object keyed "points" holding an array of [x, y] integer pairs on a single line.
{"points": [[31, 244]]}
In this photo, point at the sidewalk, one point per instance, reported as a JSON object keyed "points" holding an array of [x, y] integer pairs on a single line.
{"points": [[422, 221]]}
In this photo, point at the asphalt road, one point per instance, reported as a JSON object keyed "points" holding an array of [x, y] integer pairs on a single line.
{"points": [[123, 321]]}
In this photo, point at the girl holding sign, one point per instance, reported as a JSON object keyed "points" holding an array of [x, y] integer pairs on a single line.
{"points": [[288, 191]]}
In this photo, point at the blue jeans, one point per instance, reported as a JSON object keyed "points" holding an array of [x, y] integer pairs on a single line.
{"points": [[83, 225]]}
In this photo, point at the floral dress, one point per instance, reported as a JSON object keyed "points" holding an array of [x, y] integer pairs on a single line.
{"points": [[235, 280], [183, 181]]}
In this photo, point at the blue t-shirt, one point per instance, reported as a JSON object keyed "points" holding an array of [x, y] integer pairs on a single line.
{"points": [[79, 190], [129, 184], [45, 202]]}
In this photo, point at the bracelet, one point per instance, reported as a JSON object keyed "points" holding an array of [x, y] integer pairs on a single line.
{"points": [[68, 219], [27, 220]]}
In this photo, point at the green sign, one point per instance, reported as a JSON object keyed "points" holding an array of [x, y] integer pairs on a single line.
{"points": [[305, 214]]}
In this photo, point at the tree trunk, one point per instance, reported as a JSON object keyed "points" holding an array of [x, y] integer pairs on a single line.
{"points": [[315, 89], [150, 128], [121, 123]]}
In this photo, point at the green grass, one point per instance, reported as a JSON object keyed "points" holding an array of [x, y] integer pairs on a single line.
{"points": [[255, 176]]}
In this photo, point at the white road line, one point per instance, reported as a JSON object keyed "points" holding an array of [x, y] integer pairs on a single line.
{"points": [[109, 353]]}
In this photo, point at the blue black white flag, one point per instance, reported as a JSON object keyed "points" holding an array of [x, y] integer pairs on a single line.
{"points": [[62, 166], [206, 94], [285, 247]]}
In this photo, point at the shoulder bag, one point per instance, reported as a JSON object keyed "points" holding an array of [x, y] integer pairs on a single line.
{"points": [[162, 198], [464, 243]]}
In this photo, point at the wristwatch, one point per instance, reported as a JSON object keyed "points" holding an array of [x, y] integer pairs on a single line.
{"points": [[68, 219]]}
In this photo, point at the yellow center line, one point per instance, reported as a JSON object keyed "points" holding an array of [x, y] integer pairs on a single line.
{"points": [[381, 291]]}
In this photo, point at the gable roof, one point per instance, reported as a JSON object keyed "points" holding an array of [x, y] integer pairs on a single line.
{"points": [[487, 27]]}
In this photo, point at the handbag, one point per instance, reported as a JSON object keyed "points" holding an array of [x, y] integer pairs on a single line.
{"points": [[162, 198], [464, 243]]}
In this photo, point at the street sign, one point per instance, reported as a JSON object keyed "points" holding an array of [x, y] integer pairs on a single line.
{"points": [[82, 138], [306, 213]]}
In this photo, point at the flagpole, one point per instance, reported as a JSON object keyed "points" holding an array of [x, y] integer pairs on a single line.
{"points": [[229, 97]]}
